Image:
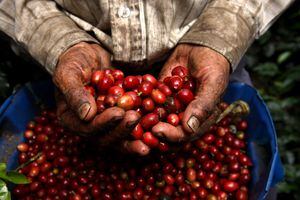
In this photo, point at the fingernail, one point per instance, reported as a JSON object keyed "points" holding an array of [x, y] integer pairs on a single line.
{"points": [[194, 123], [131, 125], [84, 110], [114, 119], [159, 134]]}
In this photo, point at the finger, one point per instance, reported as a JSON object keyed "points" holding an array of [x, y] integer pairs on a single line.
{"points": [[82, 102], [171, 133], [209, 121], [70, 83], [111, 116], [101, 124], [208, 94], [61, 104], [122, 130], [137, 147]]}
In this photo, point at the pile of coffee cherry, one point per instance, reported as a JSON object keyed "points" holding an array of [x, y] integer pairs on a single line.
{"points": [[63, 165], [154, 100]]}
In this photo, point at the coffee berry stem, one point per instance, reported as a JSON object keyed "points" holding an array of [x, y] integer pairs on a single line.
{"points": [[34, 158], [237, 108]]}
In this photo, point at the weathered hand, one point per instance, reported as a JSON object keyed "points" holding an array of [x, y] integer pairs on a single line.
{"points": [[76, 107], [211, 71]]}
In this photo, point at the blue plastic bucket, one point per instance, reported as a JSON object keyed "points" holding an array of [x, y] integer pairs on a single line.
{"points": [[21, 107]]}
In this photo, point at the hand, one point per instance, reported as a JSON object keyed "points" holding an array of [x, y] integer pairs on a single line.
{"points": [[76, 107], [211, 71]]}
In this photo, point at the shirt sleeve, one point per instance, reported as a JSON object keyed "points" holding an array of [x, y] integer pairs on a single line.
{"points": [[41, 28], [229, 27]]}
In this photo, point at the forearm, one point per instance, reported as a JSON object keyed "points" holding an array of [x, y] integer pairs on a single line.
{"points": [[229, 27], [41, 28]]}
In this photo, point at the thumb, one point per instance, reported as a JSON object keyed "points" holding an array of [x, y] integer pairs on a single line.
{"points": [[82, 102], [202, 112], [70, 83]]}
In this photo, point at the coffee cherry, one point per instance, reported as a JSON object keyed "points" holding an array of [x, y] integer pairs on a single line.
{"points": [[180, 71], [184, 189], [185, 96], [107, 71], [191, 174], [150, 140], [96, 191], [97, 76], [244, 160], [208, 138], [165, 89], [130, 82], [138, 193], [169, 179], [173, 119], [163, 147], [139, 111], [105, 83], [175, 83], [61, 161], [149, 120], [34, 171], [136, 99], [189, 85], [22, 147], [242, 125], [234, 167], [245, 178], [158, 97], [126, 102], [110, 100], [116, 91], [150, 78], [145, 88], [148, 104], [221, 131], [202, 192], [118, 75], [208, 183], [229, 186], [90, 90], [137, 132], [28, 133], [100, 106], [241, 195], [173, 105]]}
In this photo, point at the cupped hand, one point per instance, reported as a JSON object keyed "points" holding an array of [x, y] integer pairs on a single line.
{"points": [[76, 107], [211, 72]]}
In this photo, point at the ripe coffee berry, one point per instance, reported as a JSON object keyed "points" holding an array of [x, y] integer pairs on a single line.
{"points": [[180, 71], [150, 140], [173, 119], [130, 82], [149, 120]]}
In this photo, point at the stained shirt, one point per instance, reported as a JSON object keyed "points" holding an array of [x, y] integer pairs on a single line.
{"points": [[137, 31]]}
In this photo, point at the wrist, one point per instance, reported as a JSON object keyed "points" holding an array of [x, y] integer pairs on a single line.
{"points": [[206, 57]]}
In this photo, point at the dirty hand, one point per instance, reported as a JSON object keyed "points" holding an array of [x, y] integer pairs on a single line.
{"points": [[211, 71], [76, 108]]}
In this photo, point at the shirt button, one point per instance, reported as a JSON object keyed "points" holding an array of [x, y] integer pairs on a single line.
{"points": [[124, 11]]}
